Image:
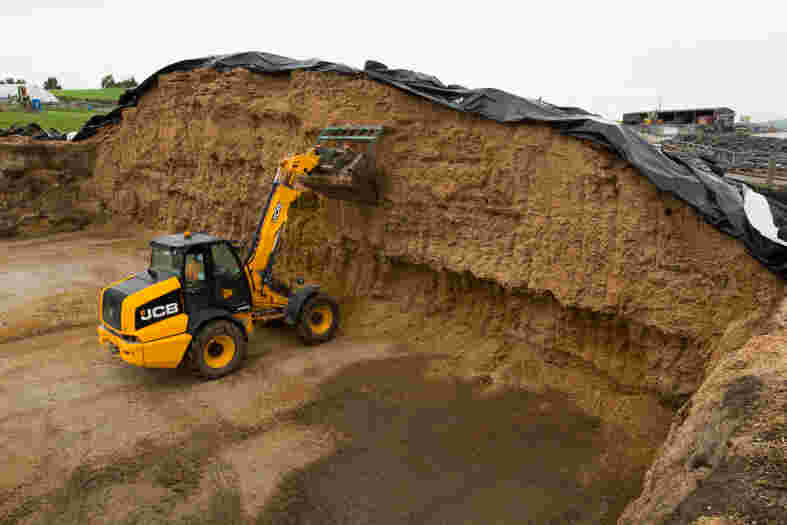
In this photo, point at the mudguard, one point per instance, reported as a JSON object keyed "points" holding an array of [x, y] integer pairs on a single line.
{"points": [[297, 300], [197, 320]]}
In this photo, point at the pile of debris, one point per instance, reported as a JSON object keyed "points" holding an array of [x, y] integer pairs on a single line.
{"points": [[35, 131], [740, 153], [736, 142]]}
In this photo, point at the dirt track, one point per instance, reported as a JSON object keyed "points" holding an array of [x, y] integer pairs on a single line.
{"points": [[354, 431]]}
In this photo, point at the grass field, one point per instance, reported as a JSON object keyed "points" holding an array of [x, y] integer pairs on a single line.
{"points": [[63, 119], [97, 95]]}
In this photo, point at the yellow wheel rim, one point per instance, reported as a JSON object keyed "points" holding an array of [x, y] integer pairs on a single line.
{"points": [[320, 319], [219, 351]]}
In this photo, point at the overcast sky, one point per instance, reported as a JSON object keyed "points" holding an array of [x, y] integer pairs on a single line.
{"points": [[607, 57]]}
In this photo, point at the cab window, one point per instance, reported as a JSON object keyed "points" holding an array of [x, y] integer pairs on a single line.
{"points": [[166, 260], [195, 268], [224, 262]]}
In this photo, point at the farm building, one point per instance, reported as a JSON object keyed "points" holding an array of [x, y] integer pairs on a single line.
{"points": [[718, 117]]}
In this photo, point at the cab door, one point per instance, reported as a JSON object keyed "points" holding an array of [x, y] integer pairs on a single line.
{"points": [[197, 286], [230, 287]]}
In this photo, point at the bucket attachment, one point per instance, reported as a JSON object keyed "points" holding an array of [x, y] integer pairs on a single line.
{"points": [[345, 173]]}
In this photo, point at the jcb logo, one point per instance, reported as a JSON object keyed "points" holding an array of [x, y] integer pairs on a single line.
{"points": [[159, 311], [276, 210]]}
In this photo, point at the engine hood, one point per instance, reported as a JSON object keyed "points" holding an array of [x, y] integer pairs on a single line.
{"points": [[140, 301]]}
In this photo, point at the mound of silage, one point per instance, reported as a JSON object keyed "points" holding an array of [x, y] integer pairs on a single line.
{"points": [[532, 258], [41, 187], [519, 206]]}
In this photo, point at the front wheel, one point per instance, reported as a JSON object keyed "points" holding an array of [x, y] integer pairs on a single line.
{"points": [[218, 349], [319, 320]]}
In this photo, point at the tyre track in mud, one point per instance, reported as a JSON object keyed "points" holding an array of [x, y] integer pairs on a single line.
{"points": [[338, 428], [147, 412]]}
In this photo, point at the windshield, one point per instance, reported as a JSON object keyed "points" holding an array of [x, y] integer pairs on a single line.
{"points": [[166, 260]]}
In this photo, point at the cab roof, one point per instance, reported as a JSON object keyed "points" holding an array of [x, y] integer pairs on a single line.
{"points": [[179, 240]]}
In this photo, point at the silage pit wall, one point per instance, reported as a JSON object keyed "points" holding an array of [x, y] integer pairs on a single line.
{"points": [[42, 187], [533, 258]]}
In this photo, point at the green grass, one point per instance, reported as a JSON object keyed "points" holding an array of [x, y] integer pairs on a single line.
{"points": [[97, 95], [63, 119]]}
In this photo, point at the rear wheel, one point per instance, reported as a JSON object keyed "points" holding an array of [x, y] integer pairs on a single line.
{"points": [[218, 349], [319, 320]]}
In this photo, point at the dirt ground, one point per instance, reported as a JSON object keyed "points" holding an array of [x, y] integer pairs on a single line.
{"points": [[51, 283], [353, 431]]}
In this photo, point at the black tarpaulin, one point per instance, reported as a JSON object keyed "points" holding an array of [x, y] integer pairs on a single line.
{"points": [[266, 63], [263, 63], [97, 122], [729, 206], [33, 130]]}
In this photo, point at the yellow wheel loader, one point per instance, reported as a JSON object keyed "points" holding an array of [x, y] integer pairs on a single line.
{"points": [[198, 301]]}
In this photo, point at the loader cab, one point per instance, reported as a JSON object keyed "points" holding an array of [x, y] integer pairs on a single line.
{"points": [[208, 268]]}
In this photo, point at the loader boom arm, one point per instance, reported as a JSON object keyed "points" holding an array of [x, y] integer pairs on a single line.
{"points": [[274, 216], [321, 169]]}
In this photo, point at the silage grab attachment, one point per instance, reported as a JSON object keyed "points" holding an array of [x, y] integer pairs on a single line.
{"points": [[348, 172]]}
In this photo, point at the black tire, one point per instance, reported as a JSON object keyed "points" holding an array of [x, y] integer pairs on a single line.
{"points": [[315, 323], [218, 349]]}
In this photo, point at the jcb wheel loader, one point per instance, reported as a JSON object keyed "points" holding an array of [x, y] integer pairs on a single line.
{"points": [[198, 301]]}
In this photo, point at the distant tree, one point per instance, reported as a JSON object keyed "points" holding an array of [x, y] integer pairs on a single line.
{"points": [[52, 83], [129, 83], [108, 81], [21, 81], [10, 80]]}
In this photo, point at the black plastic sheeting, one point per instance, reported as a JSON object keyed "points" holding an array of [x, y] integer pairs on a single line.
{"points": [[33, 130], [263, 63], [700, 184], [97, 122]]}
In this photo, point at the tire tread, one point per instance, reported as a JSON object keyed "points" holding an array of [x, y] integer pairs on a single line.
{"points": [[302, 327], [205, 334]]}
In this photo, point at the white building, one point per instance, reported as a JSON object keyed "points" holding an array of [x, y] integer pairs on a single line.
{"points": [[9, 90]]}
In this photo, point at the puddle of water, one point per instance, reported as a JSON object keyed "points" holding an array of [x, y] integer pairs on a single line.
{"points": [[428, 452]]}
